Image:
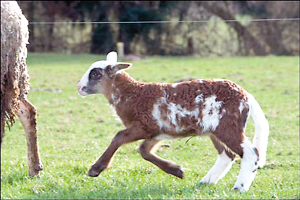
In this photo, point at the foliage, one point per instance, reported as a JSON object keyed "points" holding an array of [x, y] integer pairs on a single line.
{"points": [[73, 132], [235, 38]]}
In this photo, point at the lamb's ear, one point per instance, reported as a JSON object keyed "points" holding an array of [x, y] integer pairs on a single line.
{"points": [[111, 70], [120, 66], [112, 57]]}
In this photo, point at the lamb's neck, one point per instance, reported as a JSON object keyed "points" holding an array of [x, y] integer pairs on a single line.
{"points": [[122, 84]]}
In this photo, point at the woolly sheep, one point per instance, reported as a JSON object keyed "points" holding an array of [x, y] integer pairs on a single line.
{"points": [[15, 80]]}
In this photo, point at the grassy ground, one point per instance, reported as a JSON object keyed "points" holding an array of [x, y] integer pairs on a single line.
{"points": [[73, 132]]}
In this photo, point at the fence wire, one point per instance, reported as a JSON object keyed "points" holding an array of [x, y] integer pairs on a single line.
{"points": [[164, 22]]}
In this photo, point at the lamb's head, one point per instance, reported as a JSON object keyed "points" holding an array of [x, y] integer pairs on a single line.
{"points": [[100, 74]]}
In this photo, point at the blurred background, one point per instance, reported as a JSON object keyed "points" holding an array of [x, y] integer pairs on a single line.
{"points": [[182, 28]]}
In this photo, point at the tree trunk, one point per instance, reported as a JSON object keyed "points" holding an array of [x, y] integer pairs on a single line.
{"points": [[250, 41], [31, 46]]}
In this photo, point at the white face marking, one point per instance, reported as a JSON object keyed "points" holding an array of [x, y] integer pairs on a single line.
{"points": [[111, 59], [200, 80], [85, 78], [210, 113]]}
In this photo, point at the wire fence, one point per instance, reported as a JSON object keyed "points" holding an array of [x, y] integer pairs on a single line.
{"points": [[163, 22], [213, 37]]}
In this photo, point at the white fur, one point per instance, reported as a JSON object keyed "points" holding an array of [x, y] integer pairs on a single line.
{"points": [[260, 140], [211, 121], [174, 85], [175, 110], [163, 137], [219, 170], [199, 98], [85, 78], [156, 115], [248, 167], [112, 57], [115, 99], [241, 107]]}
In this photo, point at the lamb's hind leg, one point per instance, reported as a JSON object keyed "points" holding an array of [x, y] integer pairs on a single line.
{"points": [[27, 116], [248, 166], [147, 151], [222, 164], [240, 145]]}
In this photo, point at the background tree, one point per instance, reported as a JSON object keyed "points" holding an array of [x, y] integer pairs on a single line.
{"points": [[224, 32]]}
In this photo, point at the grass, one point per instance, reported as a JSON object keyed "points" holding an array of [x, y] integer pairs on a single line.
{"points": [[73, 132]]}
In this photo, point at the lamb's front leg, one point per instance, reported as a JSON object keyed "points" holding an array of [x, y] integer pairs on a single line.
{"points": [[147, 151], [122, 137]]}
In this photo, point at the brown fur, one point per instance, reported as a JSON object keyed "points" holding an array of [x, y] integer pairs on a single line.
{"points": [[134, 103], [137, 100]]}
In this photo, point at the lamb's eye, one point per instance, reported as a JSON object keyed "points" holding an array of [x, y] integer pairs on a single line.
{"points": [[95, 74]]}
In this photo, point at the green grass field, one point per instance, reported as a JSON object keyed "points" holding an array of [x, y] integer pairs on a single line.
{"points": [[73, 132]]}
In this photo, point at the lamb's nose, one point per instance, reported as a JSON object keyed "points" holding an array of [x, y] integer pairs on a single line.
{"points": [[79, 88], [83, 88]]}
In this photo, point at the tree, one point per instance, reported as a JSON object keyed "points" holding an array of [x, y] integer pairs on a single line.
{"points": [[250, 42]]}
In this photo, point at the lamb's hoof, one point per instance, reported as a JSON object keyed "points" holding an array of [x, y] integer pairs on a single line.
{"points": [[34, 173], [36, 170], [205, 180], [179, 173], [93, 172], [202, 182], [240, 188], [39, 167], [261, 164]]}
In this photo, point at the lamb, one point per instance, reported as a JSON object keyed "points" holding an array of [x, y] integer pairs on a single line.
{"points": [[15, 80], [158, 111]]}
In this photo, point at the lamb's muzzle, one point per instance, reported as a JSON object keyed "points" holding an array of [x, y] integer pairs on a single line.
{"points": [[157, 111]]}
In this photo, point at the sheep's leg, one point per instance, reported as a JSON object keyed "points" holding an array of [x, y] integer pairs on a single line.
{"points": [[147, 151], [239, 144], [122, 137], [222, 165], [248, 167], [27, 116]]}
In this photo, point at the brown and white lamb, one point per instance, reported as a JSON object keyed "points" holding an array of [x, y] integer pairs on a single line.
{"points": [[158, 111]]}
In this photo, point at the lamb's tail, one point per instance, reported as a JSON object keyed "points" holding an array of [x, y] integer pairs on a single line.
{"points": [[260, 140]]}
